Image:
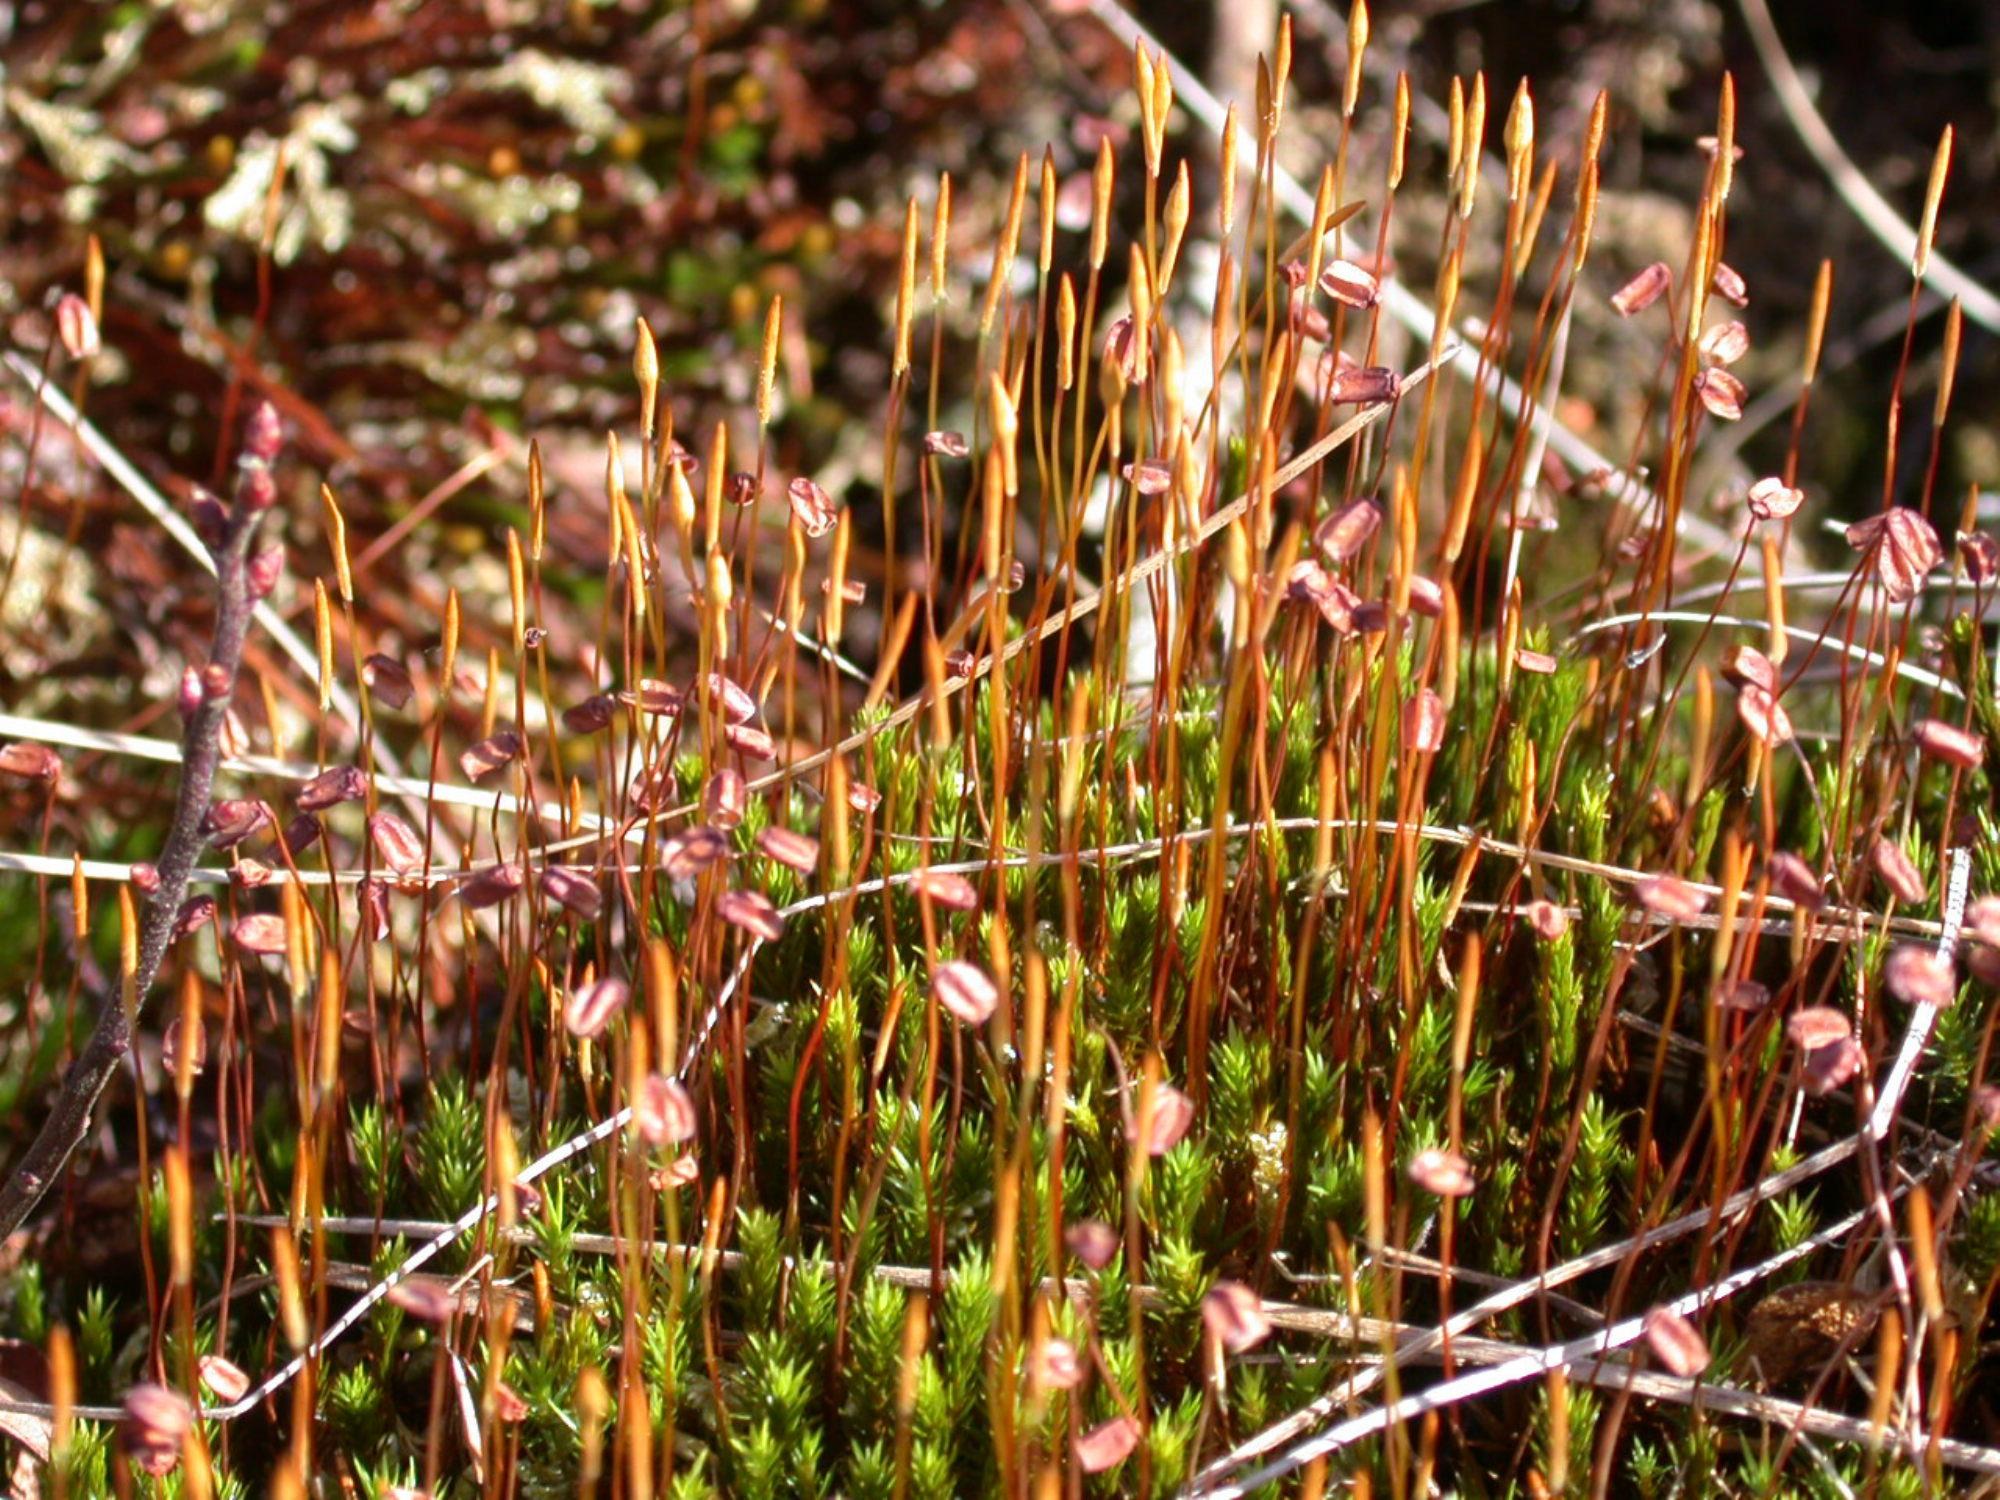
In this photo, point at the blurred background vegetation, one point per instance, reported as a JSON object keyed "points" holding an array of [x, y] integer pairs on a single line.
{"points": [[482, 196]]}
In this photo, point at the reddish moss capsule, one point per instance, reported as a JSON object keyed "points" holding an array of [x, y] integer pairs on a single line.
{"points": [[1721, 393], [753, 912], [1537, 663], [1828, 1067], [1107, 1445], [508, 1407], [795, 851], [424, 1298], [965, 990], [749, 740], [1983, 963], [1234, 1316], [1334, 600], [1817, 1026], [1675, 1343], [262, 934], [1342, 535], [1773, 500], [1897, 871], [655, 788], [1548, 920], [1725, 343], [371, 906], [591, 1008], [492, 885], [660, 700], [170, 1049], [1367, 386], [1424, 723], [250, 874], [682, 1171], [723, 798], [574, 890], [196, 913], [388, 680], [1904, 546], [331, 788], [1742, 995], [1092, 1241], [1445, 1173], [226, 1380], [1949, 743], [1119, 349], [76, 328], [591, 715], [30, 762], [1173, 1113], [1746, 666], [733, 699], [232, 820], [1671, 897], [1764, 716], [1919, 975], [663, 1112], [398, 844], [1309, 322], [1055, 1365], [1982, 920], [1980, 556], [813, 506], [1349, 285], [157, 1421], [689, 852], [1426, 597], [693, 851], [1792, 878], [946, 888], [1643, 290], [486, 756]]}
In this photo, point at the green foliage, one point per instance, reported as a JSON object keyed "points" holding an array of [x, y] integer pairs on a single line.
{"points": [[376, 1151], [450, 1150], [1601, 1159]]}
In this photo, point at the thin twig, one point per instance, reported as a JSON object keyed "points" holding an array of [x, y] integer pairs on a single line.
{"points": [[1854, 188], [1527, 1366], [201, 752]]}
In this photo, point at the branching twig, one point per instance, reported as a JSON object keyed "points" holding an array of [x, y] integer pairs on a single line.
{"points": [[1524, 1367], [201, 753]]}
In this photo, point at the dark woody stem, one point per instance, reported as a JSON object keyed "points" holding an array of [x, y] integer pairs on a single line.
{"points": [[201, 751]]}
